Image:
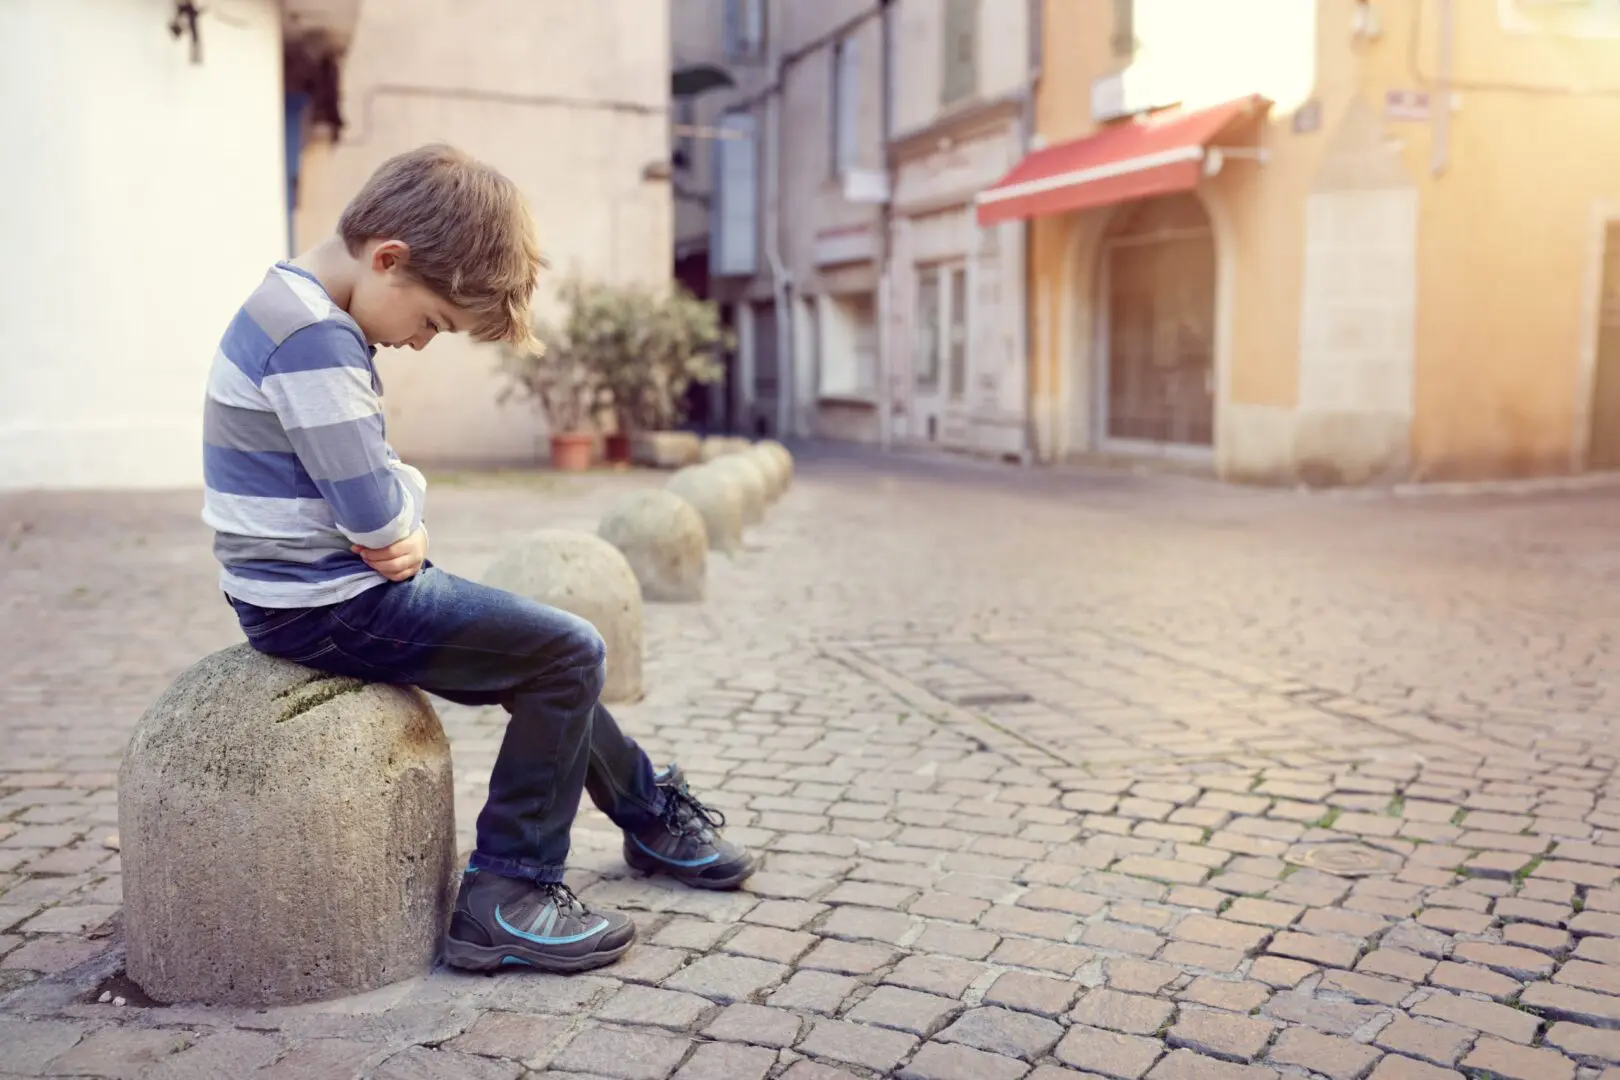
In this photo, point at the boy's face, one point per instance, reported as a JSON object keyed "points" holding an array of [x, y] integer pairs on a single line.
{"points": [[395, 309]]}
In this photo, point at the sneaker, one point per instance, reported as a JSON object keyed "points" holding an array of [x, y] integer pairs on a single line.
{"points": [[502, 922], [686, 844]]}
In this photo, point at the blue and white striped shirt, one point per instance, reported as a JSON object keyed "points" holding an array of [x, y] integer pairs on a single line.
{"points": [[296, 463]]}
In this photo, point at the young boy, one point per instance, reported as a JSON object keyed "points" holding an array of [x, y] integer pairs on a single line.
{"points": [[319, 529]]}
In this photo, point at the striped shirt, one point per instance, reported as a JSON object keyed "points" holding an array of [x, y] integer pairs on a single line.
{"points": [[296, 465]]}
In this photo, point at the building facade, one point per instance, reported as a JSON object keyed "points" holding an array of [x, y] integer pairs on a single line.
{"points": [[1333, 242], [715, 132], [796, 214], [569, 100], [869, 304], [963, 79], [826, 223], [144, 198], [173, 157]]}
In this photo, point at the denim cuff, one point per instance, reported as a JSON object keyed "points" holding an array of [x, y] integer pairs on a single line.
{"points": [[516, 868], [659, 803]]}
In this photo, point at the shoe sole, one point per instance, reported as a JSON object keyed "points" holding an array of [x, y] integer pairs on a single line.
{"points": [[470, 957], [651, 868]]}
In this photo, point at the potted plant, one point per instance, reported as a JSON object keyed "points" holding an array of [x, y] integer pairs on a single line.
{"points": [[622, 320], [559, 375], [667, 342], [625, 353]]}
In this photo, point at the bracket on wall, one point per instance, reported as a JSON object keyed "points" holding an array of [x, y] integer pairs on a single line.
{"points": [[1217, 156], [185, 22]]}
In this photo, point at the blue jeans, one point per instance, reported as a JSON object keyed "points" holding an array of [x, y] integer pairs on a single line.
{"points": [[476, 645]]}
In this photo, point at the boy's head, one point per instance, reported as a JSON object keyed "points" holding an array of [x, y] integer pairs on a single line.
{"points": [[444, 243]]}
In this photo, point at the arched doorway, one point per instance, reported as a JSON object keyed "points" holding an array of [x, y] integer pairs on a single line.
{"points": [[1156, 340]]}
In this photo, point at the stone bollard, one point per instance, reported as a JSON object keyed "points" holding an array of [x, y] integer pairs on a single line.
{"points": [[750, 482], [662, 537], [718, 499], [287, 836], [585, 575], [665, 449], [770, 466], [783, 455]]}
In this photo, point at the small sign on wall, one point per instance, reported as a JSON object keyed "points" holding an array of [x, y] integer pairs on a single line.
{"points": [[1308, 118], [1406, 105], [866, 186], [846, 244]]}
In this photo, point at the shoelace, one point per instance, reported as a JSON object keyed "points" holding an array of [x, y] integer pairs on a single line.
{"points": [[684, 815], [567, 903]]}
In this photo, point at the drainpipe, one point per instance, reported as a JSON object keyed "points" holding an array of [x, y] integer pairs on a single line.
{"points": [[781, 281], [1440, 151], [1033, 378], [885, 297]]}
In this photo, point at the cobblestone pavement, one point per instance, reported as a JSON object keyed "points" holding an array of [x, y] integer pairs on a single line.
{"points": [[1056, 774]]}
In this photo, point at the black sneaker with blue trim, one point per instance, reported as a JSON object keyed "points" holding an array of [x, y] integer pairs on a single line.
{"points": [[685, 843], [504, 922]]}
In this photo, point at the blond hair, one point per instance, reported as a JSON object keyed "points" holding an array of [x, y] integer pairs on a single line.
{"points": [[468, 228]]}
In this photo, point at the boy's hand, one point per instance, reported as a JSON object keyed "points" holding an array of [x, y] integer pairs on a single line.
{"points": [[398, 561]]}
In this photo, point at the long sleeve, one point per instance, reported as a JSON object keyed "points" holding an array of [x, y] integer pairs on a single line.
{"points": [[319, 381]]}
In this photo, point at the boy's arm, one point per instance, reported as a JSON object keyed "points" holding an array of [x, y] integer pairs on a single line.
{"points": [[411, 477], [319, 382]]}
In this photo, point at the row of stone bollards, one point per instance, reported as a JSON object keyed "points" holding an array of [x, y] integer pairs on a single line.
{"points": [[650, 546], [289, 836]]}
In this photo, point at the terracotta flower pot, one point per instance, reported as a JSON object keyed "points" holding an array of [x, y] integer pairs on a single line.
{"points": [[571, 452], [617, 450]]}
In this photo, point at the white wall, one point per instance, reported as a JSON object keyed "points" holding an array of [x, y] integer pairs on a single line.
{"points": [[143, 200], [1202, 53], [580, 167]]}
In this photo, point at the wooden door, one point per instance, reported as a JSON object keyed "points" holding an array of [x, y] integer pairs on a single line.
{"points": [[1603, 448], [1161, 340]]}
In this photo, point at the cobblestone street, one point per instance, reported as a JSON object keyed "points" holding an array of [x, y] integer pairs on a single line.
{"points": [[1057, 774]]}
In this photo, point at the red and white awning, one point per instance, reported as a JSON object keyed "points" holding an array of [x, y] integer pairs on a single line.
{"points": [[1159, 154]]}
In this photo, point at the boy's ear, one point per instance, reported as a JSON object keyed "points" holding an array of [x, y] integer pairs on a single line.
{"points": [[389, 255]]}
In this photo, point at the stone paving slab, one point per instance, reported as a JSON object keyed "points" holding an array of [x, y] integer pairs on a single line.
{"points": [[1084, 776]]}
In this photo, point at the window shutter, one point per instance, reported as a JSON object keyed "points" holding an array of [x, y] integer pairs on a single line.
{"points": [[734, 222], [845, 105], [744, 29], [1124, 40], [961, 72]]}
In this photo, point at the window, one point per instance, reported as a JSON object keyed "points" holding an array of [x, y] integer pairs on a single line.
{"points": [[735, 222], [808, 339], [844, 107], [1037, 37], [1124, 39], [940, 337], [846, 346], [685, 118], [956, 332], [745, 29], [961, 73], [925, 333], [767, 373]]}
